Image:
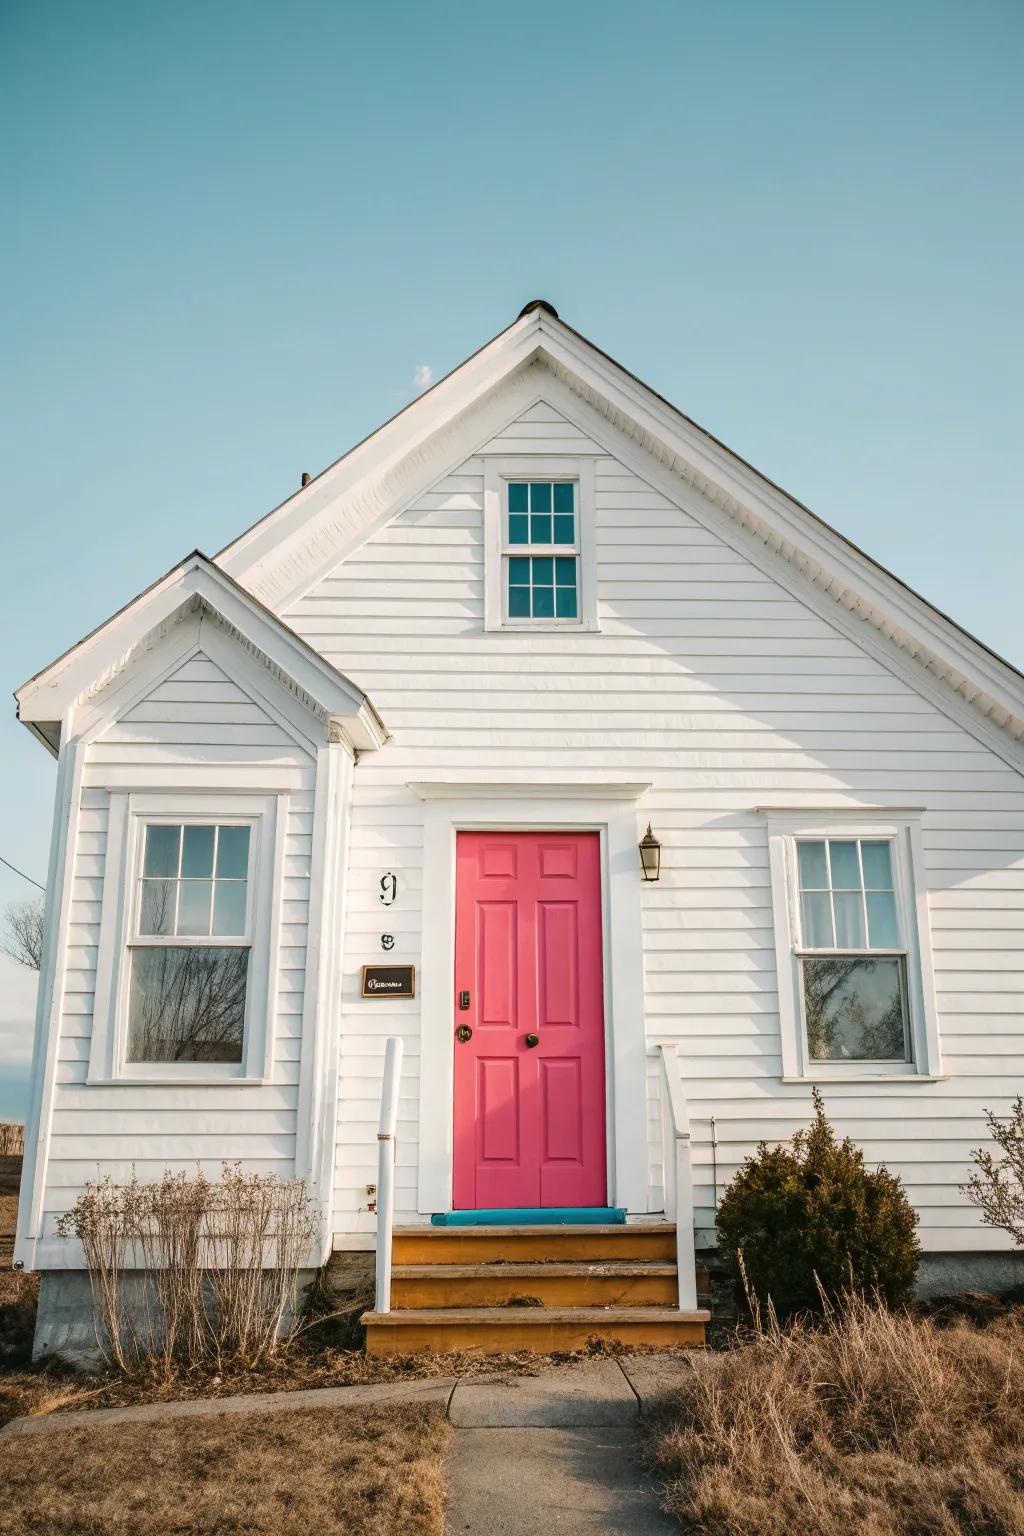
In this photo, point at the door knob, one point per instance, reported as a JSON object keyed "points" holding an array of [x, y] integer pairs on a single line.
{"points": [[463, 1033], [532, 1040]]}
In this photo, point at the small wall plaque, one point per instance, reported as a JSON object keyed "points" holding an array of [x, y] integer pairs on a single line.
{"points": [[389, 981]]}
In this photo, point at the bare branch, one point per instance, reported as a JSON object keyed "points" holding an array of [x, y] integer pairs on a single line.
{"points": [[22, 934]]}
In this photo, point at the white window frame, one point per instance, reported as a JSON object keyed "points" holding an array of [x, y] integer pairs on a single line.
{"points": [[498, 472], [129, 814], [902, 830]]}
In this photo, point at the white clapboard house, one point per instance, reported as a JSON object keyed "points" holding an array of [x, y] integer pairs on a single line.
{"points": [[384, 768]]}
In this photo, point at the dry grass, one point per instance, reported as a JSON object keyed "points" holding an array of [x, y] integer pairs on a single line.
{"points": [[881, 1423], [335, 1472]]}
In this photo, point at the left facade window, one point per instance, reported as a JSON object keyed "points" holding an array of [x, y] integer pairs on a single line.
{"points": [[186, 969], [190, 942]]}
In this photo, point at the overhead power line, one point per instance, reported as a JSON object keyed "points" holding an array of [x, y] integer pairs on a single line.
{"points": [[21, 872]]}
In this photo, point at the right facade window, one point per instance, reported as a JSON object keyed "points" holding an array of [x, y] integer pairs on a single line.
{"points": [[856, 993], [852, 960]]}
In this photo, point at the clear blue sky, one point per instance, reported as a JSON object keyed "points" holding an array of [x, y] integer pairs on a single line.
{"points": [[233, 232]]}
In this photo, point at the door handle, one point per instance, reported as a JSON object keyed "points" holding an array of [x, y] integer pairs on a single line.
{"points": [[532, 1040], [463, 1033]]}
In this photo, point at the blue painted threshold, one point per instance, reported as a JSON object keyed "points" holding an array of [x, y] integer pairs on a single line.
{"points": [[527, 1216]]}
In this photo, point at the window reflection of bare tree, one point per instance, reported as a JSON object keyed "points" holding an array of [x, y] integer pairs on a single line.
{"points": [[837, 1021], [188, 1002]]}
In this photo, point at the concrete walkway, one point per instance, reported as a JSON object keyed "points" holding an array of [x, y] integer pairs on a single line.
{"points": [[557, 1450]]}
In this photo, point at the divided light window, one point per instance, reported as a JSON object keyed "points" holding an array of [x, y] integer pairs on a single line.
{"points": [[852, 954], [541, 551], [190, 941]]}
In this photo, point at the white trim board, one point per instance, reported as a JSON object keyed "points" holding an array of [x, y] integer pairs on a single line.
{"points": [[562, 809]]}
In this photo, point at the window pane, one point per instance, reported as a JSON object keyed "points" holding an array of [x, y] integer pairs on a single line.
{"points": [[564, 496], [519, 528], [187, 1004], [518, 571], [197, 852], [543, 603], [883, 928], [845, 869], [156, 906], [817, 921], [849, 920], [232, 853], [565, 603], [540, 528], [194, 897], [855, 1009], [565, 530], [518, 496], [161, 850], [543, 571], [519, 602], [229, 907], [877, 860], [813, 873], [540, 496], [565, 572]]}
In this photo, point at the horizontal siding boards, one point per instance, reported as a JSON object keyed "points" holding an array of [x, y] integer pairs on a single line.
{"points": [[725, 691], [197, 729]]}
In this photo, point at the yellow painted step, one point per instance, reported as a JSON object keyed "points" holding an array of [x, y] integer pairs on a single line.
{"points": [[483, 1245], [572, 1285], [540, 1330]]}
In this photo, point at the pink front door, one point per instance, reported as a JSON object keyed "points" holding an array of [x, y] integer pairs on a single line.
{"points": [[529, 1080]]}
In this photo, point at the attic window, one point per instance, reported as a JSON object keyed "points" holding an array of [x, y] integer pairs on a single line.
{"points": [[541, 517], [539, 537]]}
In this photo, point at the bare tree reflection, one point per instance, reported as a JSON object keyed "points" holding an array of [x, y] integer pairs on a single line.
{"points": [[855, 1008], [187, 1004]]}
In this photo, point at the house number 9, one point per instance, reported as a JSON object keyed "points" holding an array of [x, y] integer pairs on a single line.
{"points": [[388, 888]]}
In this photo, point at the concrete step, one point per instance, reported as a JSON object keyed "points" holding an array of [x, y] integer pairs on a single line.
{"points": [[483, 1245], [540, 1330], [573, 1285]]}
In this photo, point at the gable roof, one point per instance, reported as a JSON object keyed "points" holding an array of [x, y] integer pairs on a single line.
{"points": [[89, 667], [289, 549]]}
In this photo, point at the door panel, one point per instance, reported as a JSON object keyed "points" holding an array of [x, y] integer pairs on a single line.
{"points": [[529, 1120]]}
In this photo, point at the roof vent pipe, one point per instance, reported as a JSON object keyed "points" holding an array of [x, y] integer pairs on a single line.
{"points": [[306, 478]]}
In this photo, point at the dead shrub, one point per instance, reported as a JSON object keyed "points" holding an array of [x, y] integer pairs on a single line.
{"points": [[872, 1421], [191, 1272]]}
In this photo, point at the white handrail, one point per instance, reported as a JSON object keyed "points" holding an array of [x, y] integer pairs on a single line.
{"points": [[679, 1177], [386, 1171]]}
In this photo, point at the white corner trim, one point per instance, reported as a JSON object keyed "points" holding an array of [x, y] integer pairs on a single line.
{"points": [[561, 808], [903, 827], [317, 1109], [451, 789], [67, 802]]}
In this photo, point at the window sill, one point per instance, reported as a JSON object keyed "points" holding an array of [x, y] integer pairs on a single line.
{"points": [[178, 1080], [528, 626], [868, 1077]]}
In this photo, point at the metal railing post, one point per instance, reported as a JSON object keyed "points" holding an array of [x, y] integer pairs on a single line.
{"points": [[386, 1171]]}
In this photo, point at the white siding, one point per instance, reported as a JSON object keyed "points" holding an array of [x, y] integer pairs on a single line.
{"points": [[711, 680], [198, 728]]}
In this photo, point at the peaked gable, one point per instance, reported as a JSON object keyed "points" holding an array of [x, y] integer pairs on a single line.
{"points": [[97, 673], [285, 554]]}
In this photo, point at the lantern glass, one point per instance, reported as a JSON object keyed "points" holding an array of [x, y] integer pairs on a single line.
{"points": [[650, 856]]}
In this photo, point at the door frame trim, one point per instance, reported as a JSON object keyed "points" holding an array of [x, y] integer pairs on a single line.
{"points": [[532, 808]]}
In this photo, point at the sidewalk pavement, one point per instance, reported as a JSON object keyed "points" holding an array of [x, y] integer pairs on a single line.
{"points": [[555, 1451]]}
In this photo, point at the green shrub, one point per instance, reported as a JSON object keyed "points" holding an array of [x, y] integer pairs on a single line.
{"points": [[809, 1218]]}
